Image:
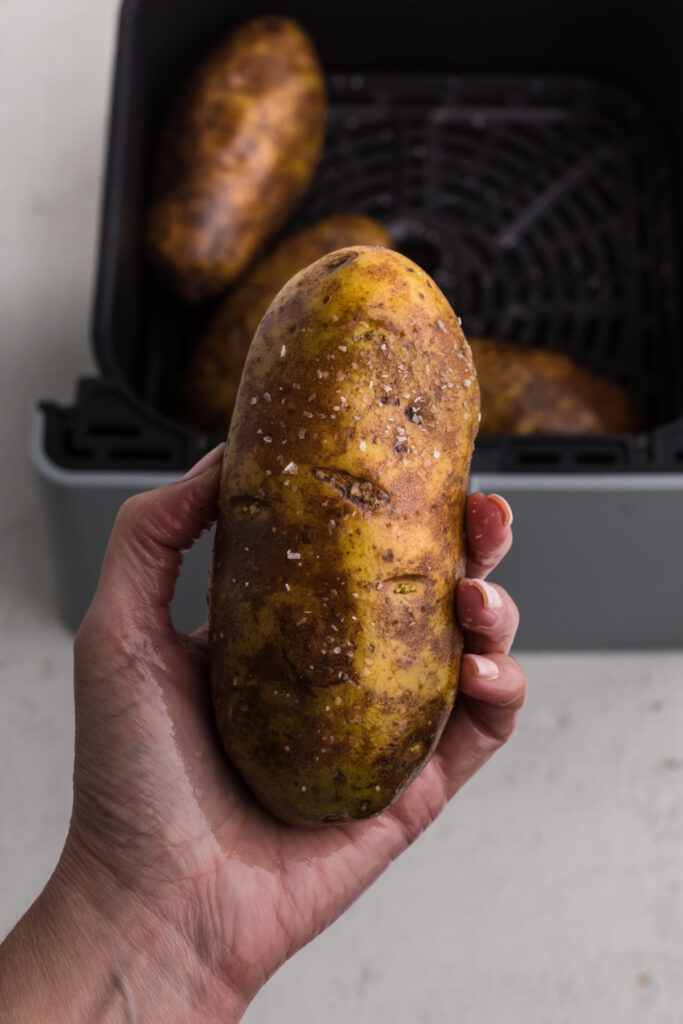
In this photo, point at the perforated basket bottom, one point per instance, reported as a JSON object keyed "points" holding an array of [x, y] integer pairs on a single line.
{"points": [[541, 206]]}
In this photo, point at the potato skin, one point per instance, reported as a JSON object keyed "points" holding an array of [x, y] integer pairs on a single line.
{"points": [[213, 373], [534, 391], [333, 642], [239, 151]]}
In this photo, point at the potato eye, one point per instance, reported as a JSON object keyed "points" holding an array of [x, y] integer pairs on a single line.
{"points": [[246, 506], [339, 261], [409, 583], [362, 493]]}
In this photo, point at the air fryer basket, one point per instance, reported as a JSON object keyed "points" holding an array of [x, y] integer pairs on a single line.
{"points": [[529, 156], [542, 204]]}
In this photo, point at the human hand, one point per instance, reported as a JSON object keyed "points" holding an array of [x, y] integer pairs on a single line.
{"points": [[167, 846]]}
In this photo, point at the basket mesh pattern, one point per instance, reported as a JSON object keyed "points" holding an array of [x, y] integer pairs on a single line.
{"points": [[542, 207], [537, 204]]}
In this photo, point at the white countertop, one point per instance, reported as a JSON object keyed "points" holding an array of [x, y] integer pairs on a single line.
{"points": [[550, 890]]}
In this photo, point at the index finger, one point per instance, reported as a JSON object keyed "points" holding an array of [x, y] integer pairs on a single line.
{"points": [[488, 519]]}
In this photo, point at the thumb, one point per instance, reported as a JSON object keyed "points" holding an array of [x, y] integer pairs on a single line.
{"points": [[145, 550]]}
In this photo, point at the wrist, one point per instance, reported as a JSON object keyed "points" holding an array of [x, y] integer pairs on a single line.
{"points": [[90, 951]]}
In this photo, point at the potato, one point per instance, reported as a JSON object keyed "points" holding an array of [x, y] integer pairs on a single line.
{"points": [[533, 391], [333, 642], [214, 371], [239, 152]]}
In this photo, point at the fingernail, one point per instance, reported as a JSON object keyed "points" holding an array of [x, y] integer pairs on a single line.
{"points": [[484, 668], [489, 595], [504, 508], [207, 461]]}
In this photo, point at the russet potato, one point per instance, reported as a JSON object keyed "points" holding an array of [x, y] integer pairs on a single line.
{"points": [[239, 150], [334, 646], [213, 373], [535, 391]]}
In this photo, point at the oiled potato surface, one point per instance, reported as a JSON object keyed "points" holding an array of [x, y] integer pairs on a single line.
{"points": [[334, 646], [534, 391], [239, 151], [214, 371]]}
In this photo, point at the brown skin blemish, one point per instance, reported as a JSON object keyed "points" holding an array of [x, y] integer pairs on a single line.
{"points": [[339, 261], [361, 493]]}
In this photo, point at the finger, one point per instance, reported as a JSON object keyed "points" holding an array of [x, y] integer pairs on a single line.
{"points": [[151, 532], [492, 691], [200, 639], [496, 681], [202, 632], [487, 525], [488, 614]]}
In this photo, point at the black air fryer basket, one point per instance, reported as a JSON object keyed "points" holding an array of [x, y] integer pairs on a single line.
{"points": [[526, 160], [530, 157]]}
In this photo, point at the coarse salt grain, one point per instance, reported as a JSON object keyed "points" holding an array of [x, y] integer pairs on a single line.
{"points": [[253, 401], [293, 555], [363, 446], [436, 453], [291, 468], [283, 351]]}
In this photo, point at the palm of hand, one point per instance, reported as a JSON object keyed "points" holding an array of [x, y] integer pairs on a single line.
{"points": [[157, 804]]}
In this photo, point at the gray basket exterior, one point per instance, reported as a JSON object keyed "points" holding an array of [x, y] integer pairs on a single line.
{"points": [[597, 561]]}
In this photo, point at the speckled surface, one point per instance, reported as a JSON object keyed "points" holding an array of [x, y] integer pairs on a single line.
{"points": [[550, 891]]}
